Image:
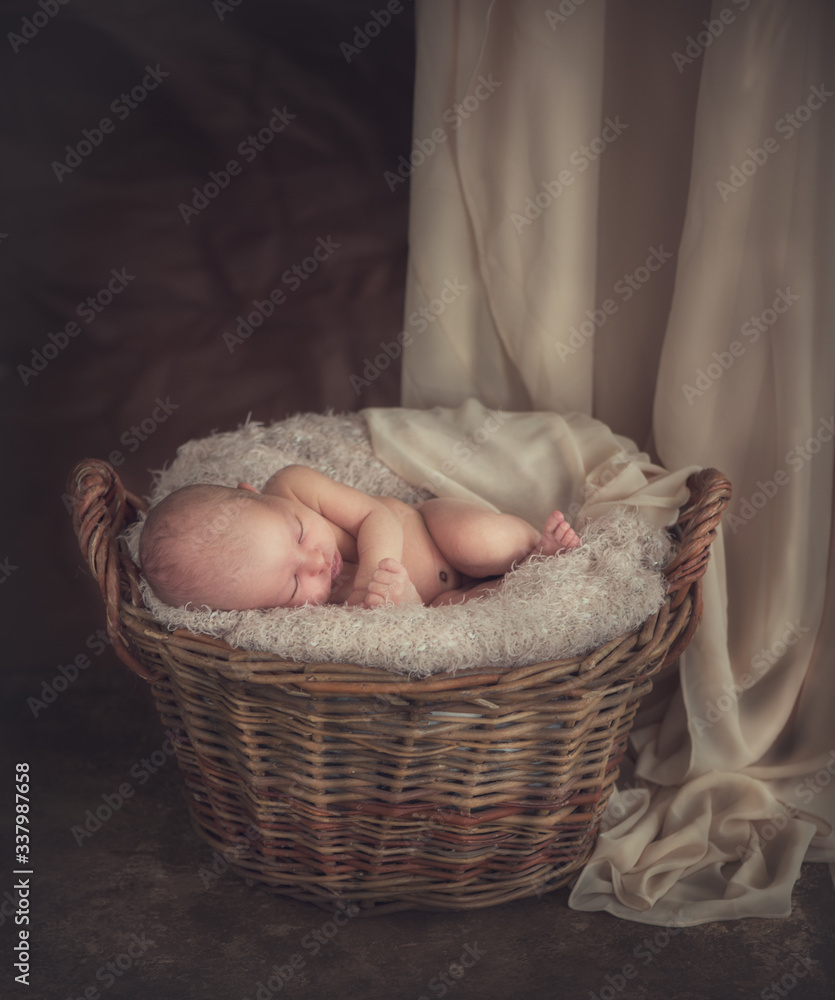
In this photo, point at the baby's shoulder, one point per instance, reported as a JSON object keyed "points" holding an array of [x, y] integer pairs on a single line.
{"points": [[288, 478], [405, 511]]}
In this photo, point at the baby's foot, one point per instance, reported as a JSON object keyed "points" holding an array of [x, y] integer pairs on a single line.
{"points": [[390, 584], [557, 536]]}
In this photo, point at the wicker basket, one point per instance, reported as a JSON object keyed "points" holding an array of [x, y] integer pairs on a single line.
{"points": [[354, 787]]}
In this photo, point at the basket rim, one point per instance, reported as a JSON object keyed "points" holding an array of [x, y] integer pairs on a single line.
{"points": [[101, 507], [586, 673]]}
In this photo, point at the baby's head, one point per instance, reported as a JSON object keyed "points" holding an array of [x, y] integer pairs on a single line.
{"points": [[195, 543], [236, 549]]}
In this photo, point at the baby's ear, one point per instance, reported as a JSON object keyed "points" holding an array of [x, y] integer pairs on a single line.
{"points": [[248, 486]]}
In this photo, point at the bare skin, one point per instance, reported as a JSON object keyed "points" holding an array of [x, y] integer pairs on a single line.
{"points": [[391, 581], [305, 539], [442, 551]]}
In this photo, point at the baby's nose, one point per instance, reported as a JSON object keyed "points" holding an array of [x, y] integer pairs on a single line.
{"points": [[315, 562]]}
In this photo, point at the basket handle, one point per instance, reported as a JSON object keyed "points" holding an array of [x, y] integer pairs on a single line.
{"points": [[710, 493], [100, 508]]}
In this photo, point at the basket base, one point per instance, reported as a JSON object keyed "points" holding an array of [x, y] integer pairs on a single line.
{"points": [[354, 891]]}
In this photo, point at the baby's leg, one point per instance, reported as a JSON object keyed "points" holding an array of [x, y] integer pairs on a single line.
{"points": [[481, 543], [476, 541]]}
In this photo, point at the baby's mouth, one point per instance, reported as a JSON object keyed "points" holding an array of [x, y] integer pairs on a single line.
{"points": [[336, 566]]}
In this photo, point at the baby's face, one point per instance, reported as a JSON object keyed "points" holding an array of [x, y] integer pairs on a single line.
{"points": [[295, 558]]}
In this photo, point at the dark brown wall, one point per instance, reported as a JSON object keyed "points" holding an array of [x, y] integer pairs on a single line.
{"points": [[164, 331]]}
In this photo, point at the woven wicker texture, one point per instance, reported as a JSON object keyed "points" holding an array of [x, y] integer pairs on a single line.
{"points": [[354, 787]]}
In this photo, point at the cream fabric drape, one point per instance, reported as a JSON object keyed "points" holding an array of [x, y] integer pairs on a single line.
{"points": [[626, 210]]}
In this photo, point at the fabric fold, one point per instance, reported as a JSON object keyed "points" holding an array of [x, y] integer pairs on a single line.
{"points": [[527, 464], [678, 289]]}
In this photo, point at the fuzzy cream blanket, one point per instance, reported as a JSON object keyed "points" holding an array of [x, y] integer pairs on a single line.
{"points": [[546, 609]]}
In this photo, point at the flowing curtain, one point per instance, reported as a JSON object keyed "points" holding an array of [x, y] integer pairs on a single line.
{"points": [[626, 210]]}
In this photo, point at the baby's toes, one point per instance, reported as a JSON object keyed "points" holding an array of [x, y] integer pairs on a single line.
{"points": [[555, 519], [565, 537], [548, 546], [391, 567], [374, 597], [379, 590], [379, 583]]}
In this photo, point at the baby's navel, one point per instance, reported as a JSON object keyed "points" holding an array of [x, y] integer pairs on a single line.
{"points": [[443, 576]]}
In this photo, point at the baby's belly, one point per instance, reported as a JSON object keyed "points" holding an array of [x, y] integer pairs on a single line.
{"points": [[431, 574]]}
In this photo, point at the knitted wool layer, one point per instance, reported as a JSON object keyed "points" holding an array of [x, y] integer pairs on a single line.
{"points": [[548, 608]]}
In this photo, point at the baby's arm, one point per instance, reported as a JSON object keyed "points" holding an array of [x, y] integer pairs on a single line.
{"points": [[377, 529]]}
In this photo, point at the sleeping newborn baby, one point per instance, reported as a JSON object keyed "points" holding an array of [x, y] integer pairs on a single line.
{"points": [[305, 539]]}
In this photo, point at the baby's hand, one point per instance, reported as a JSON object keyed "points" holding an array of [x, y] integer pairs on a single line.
{"points": [[390, 584]]}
